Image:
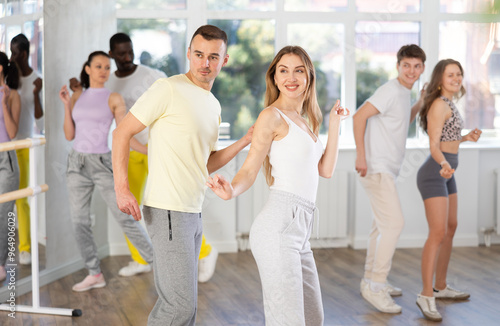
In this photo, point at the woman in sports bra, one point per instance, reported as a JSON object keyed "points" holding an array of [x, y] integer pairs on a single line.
{"points": [[88, 115], [285, 139], [441, 120], [10, 111]]}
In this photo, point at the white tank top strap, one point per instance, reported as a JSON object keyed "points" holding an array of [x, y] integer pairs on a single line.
{"points": [[287, 119]]}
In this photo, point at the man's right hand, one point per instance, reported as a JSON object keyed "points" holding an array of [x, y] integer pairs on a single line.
{"points": [[74, 84], [128, 204], [361, 166]]}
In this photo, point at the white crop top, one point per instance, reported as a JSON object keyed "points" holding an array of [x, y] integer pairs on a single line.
{"points": [[294, 161]]}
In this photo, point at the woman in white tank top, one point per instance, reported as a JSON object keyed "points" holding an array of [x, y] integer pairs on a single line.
{"points": [[286, 140]]}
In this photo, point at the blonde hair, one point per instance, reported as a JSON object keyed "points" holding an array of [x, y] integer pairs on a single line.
{"points": [[310, 108]]}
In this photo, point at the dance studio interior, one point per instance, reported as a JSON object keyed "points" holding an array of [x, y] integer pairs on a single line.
{"points": [[353, 45]]}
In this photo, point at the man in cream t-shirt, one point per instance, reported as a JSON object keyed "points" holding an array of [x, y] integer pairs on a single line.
{"points": [[380, 130], [183, 116]]}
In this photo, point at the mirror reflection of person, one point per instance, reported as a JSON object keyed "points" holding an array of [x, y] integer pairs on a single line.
{"points": [[183, 116], [9, 169], [88, 115], [441, 120], [31, 109], [286, 141]]}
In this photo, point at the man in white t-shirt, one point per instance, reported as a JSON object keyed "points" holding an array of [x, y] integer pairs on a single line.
{"points": [[31, 109], [380, 131]]}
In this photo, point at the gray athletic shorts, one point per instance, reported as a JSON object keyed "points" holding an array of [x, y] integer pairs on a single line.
{"points": [[431, 184]]}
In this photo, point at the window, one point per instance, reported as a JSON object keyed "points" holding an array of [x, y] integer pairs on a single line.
{"points": [[353, 44]]}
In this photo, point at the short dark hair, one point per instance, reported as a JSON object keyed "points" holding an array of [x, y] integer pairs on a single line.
{"points": [[411, 51], [118, 38], [22, 42], [210, 32]]}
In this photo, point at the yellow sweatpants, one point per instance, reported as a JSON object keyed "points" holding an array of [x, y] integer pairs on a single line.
{"points": [[137, 174], [22, 205]]}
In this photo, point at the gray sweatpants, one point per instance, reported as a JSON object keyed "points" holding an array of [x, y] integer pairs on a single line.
{"points": [[176, 238], [9, 181], [86, 171], [279, 239]]}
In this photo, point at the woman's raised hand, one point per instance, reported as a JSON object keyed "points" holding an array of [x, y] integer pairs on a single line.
{"points": [[220, 186], [339, 112], [64, 95]]}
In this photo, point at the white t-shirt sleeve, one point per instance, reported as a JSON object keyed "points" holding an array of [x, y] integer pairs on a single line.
{"points": [[382, 97], [153, 103]]}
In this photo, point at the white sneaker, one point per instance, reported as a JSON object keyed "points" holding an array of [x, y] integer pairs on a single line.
{"points": [[381, 300], [362, 285], [428, 307], [25, 258], [206, 266], [393, 291], [134, 268], [451, 293]]}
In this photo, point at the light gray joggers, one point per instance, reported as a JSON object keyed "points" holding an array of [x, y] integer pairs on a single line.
{"points": [[279, 239], [176, 238], [86, 171]]}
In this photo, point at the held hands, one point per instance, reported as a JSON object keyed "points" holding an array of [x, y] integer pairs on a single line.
{"points": [[38, 86], [128, 204], [220, 186], [473, 135], [64, 95], [446, 170], [338, 113]]}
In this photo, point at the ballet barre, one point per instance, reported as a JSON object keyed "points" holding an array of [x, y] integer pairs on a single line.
{"points": [[32, 191]]}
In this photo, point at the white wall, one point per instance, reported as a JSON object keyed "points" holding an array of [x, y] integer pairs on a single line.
{"points": [[348, 223]]}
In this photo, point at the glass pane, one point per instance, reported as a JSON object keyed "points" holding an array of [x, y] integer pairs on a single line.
{"points": [[11, 32], [465, 6], [476, 47], [377, 44], [2, 38], [13, 7], [160, 44], [315, 5], [388, 6], [2, 8], [151, 4], [241, 84], [32, 30], [325, 49], [32, 6], [253, 5]]}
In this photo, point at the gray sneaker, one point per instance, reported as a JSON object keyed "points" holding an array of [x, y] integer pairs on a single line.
{"points": [[451, 293], [428, 307], [381, 300]]}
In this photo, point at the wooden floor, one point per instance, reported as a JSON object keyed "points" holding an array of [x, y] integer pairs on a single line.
{"points": [[233, 296]]}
